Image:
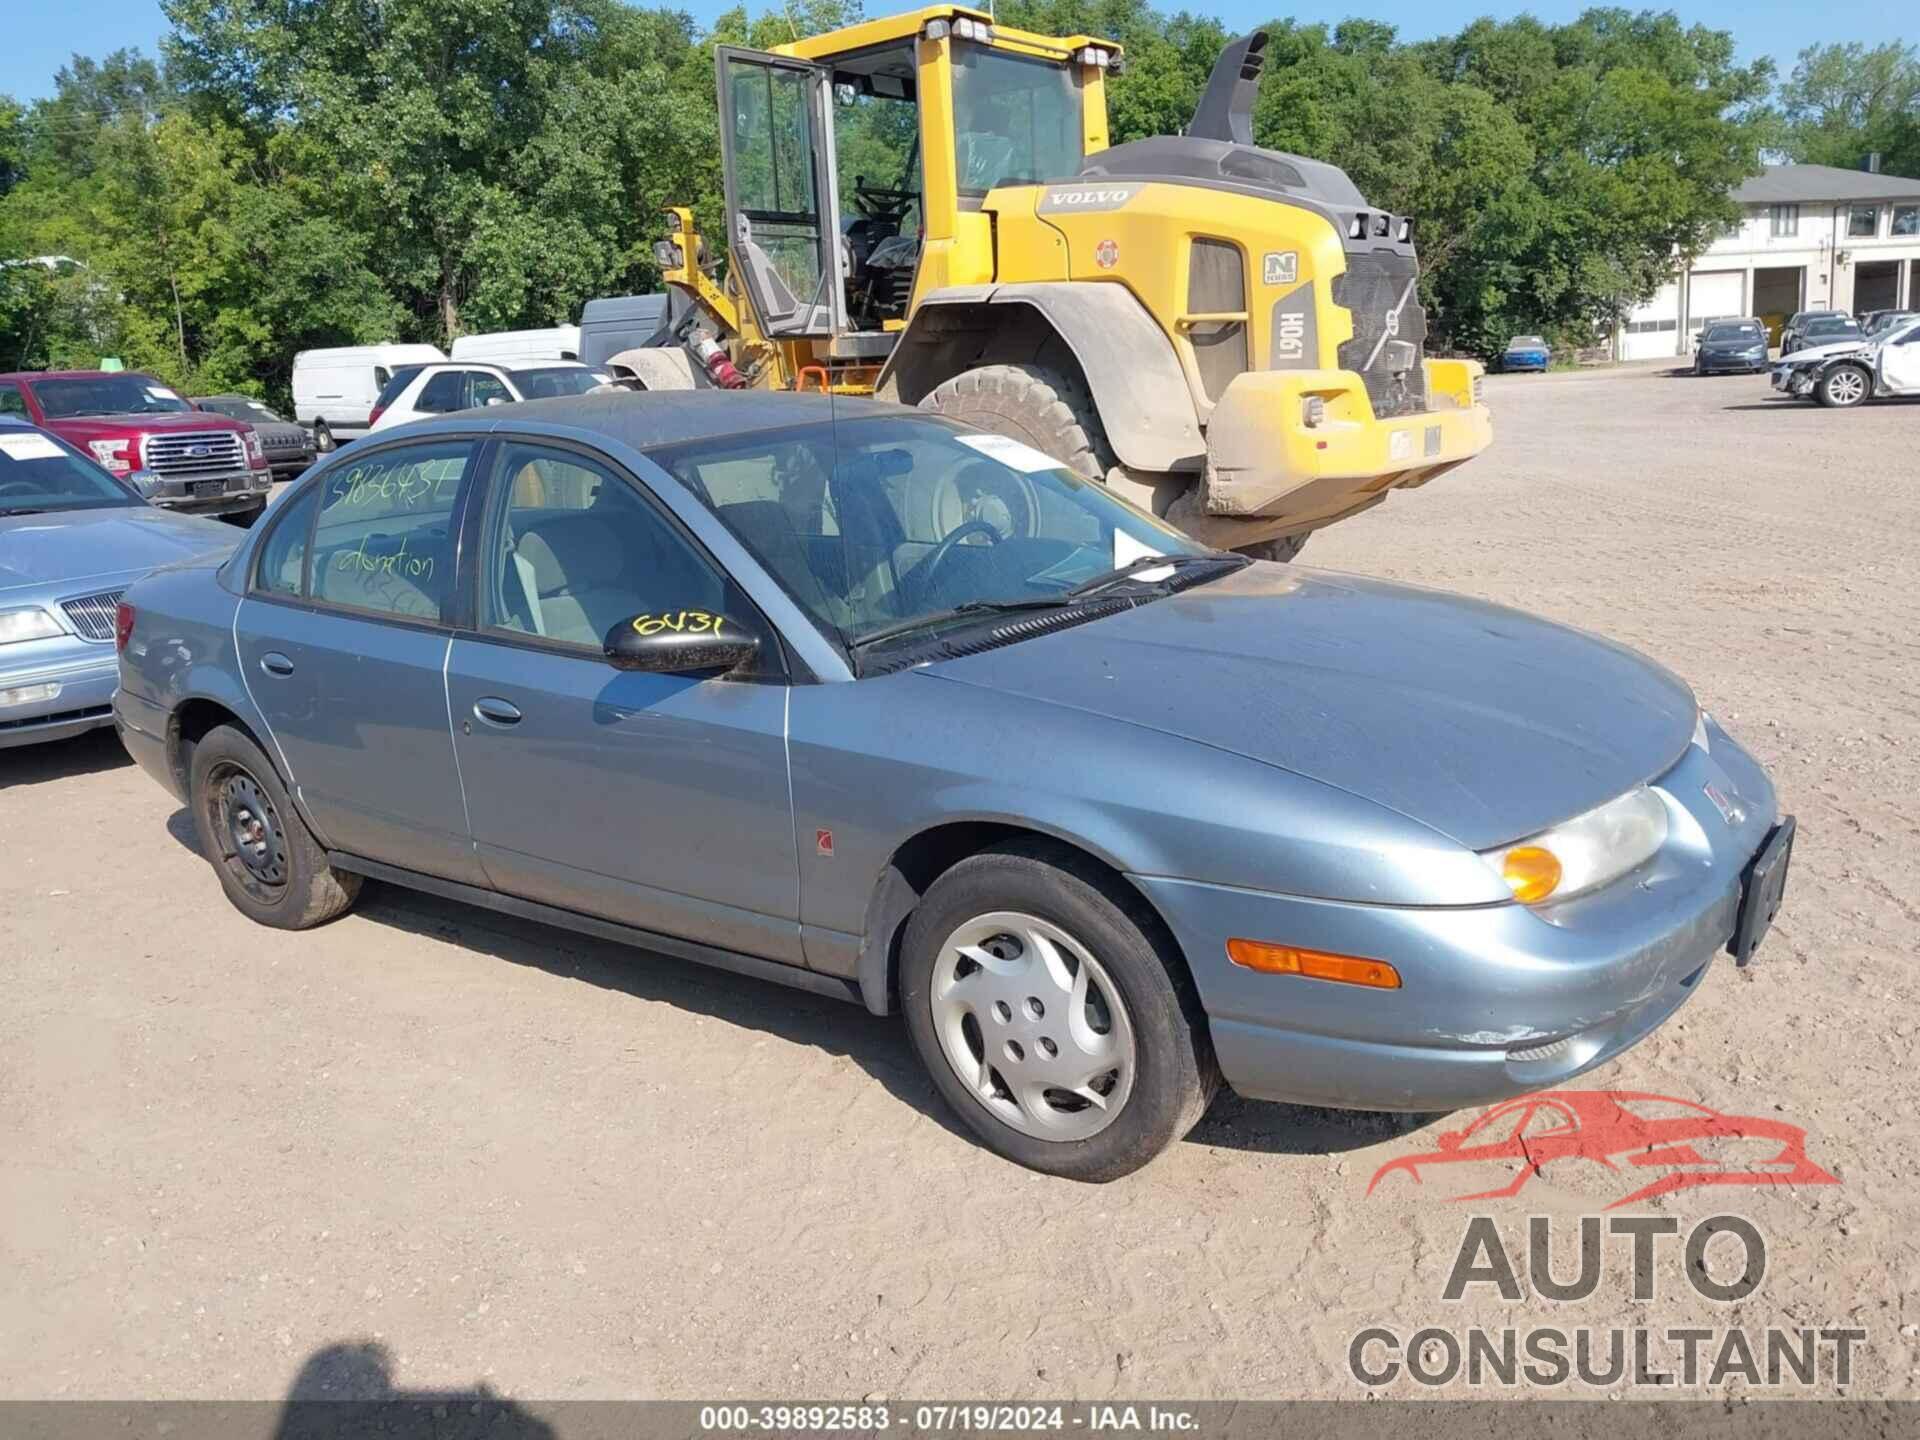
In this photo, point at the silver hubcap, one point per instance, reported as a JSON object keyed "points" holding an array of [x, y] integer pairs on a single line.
{"points": [[1845, 387], [1033, 1026]]}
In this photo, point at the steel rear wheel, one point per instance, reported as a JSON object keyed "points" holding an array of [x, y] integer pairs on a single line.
{"points": [[269, 863], [1054, 1013], [1033, 1025]]}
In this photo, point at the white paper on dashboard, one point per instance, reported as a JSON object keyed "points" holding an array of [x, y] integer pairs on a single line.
{"points": [[160, 392], [1011, 453], [1126, 550], [30, 447]]}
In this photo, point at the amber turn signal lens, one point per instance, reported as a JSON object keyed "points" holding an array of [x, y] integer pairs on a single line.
{"points": [[1272, 959], [1531, 873]]}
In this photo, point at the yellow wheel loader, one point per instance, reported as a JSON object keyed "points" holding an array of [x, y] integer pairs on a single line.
{"points": [[926, 208]]}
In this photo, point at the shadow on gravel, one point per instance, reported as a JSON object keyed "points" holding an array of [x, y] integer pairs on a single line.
{"points": [[878, 1046], [347, 1390], [86, 754]]}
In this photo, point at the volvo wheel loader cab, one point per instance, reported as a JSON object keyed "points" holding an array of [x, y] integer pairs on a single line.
{"points": [[927, 208]]}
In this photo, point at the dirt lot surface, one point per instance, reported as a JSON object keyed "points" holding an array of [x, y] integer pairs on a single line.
{"points": [[431, 1147]]}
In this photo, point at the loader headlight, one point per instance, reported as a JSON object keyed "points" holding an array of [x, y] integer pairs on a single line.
{"points": [[1313, 411], [1093, 55], [1585, 852]]}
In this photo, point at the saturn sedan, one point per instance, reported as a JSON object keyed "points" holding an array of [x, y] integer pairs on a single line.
{"points": [[861, 701]]}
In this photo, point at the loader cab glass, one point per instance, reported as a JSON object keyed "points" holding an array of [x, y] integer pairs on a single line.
{"points": [[876, 144], [1016, 119]]}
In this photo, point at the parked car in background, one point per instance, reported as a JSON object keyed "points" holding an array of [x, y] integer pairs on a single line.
{"points": [[443, 389], [624, 322], [1878, 322], [334, 391], [1731, 345], [1849, 372], [289, 448], [72, 537], [1823, 330], [835, 693], [1526, 352], [1793, 334], [140, 430], [519, 347]]}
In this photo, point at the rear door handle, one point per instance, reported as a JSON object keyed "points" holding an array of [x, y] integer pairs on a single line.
{"points": [[496, 711], [274, 663]]}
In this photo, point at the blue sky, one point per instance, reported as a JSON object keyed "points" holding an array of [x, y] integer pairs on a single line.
{"points": [[43, 33]]}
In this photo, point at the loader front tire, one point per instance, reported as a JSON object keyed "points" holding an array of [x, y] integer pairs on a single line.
{"points": [[1033, 404]]}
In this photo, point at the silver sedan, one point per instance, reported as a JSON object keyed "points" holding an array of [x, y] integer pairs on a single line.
{"points": [[852, 698]]}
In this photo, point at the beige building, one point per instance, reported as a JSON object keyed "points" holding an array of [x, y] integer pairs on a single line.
{"points": [[1813, 238]]}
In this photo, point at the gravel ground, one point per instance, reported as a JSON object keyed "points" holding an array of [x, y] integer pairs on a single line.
{"points": [[433, 1148]]}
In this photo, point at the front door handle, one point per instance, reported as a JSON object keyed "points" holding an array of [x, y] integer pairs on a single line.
{"points": [[274, 663], [496, 711]]}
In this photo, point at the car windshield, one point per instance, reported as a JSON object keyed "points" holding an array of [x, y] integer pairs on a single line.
{"points": [[1527, 342], [1831, 329], [1734, 332], [402, 378], [37, 474], [1016, 119], [560, 380], [107, 395], [920, 523], [1883, 323]]}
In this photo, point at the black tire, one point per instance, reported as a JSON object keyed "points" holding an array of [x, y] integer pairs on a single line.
{"points": [[1844, 386], [323, 441], [1175, 1075], [1034, 404], [279, 875]]}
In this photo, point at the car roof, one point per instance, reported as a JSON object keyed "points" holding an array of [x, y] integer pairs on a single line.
{"points": [[69, 374], [645, 419]]}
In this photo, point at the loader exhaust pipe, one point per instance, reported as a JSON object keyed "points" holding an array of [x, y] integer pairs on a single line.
{"points": [[1225, 111]]}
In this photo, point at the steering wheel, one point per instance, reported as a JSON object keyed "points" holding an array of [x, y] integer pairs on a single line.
{"points": [[936, 557]]}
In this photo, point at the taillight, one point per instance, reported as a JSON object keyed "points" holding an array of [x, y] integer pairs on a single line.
{"points": [[122, 626], [374, 418]]}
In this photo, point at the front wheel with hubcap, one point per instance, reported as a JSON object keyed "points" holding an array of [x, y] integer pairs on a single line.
{"points": [[323, 441], [1048, 1016], [1843, 387]]}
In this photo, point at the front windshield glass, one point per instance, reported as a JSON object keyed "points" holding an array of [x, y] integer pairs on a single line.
{"points": [[560, 380], [919, 518], [107, 395], [1527, 342], [38, 474], [1832, 329], [1734, 332], [1016, 120]]}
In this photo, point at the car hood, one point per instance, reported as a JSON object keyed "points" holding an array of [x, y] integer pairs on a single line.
{"points": [[89, 427], [1480, 722], [1823, 352], [79, 546]]}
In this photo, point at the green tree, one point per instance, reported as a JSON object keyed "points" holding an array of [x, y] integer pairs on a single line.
{"points": [[1845, 102]]}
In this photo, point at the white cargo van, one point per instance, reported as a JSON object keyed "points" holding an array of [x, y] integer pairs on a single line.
{"points": [[514, 347], [334, 390]]}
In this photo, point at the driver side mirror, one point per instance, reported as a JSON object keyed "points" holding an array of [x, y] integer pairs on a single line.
{"points": [[680, 642]]}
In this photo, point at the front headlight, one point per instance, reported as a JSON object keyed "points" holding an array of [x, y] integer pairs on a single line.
{"points": [[27, 623], [1586, 852]]}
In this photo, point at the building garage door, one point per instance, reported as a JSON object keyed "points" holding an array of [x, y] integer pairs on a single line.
{"points": [[1876, 286], [1776, 296], [1653, 330], [1714, 295]]}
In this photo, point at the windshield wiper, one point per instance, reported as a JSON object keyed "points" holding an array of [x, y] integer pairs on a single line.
{"points": [[1155, 562], [24, 509], [958, 612]]}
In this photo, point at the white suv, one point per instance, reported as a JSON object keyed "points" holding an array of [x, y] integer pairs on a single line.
{"points": [[441, 389]]}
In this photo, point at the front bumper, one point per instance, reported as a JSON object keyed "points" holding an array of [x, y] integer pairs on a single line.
{"points": [[82, 681], [1495, 1000], [237, 491], [1793, 379], [1264, 462], [1729, 364]]}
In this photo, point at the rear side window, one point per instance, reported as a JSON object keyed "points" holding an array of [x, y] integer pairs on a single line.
{"points": [[402, 378], [12, 402], [443, 393], [281, 568], [383, 540]]}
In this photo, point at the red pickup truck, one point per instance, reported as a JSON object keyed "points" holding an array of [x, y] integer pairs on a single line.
{"points": [[174, 455]]}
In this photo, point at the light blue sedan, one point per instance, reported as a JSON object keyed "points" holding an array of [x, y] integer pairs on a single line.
{"points": [[72, 537], [850, 697]]}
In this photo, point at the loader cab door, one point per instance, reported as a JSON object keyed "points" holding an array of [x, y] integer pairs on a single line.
{"points": [[776, 146]]}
